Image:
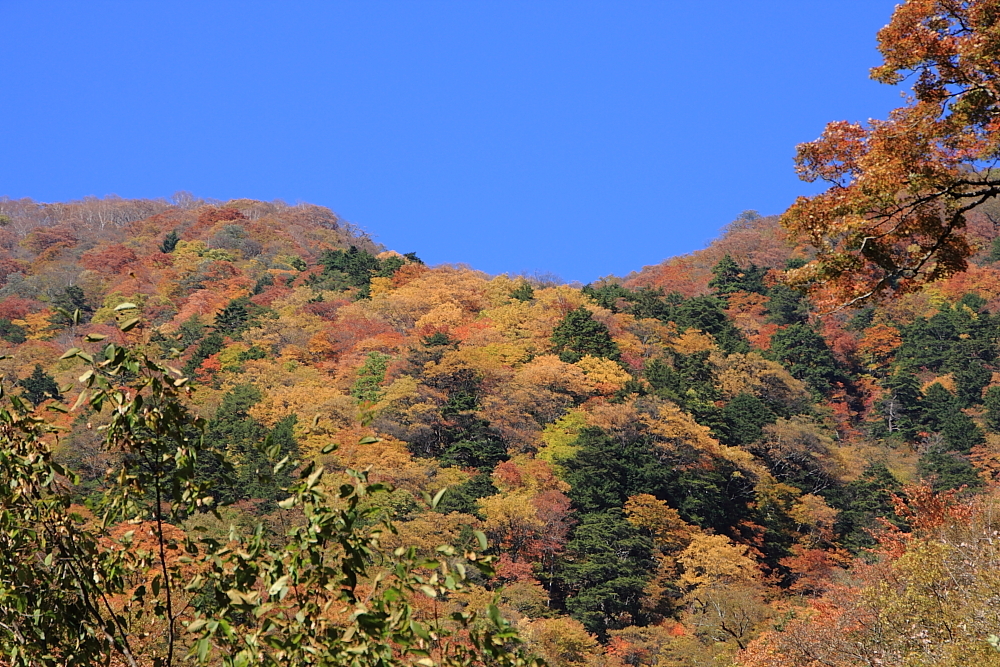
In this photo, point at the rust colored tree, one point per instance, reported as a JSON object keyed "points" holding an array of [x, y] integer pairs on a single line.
{"points": [[901, 188]]}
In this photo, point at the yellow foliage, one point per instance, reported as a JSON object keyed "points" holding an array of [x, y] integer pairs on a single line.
{"points": [[812, 512], [711, 559], [946, 381], [693, 341], [561, 642], [380, 286], [428, 531], [512, 319], [752, 374], [670, 532], [603, 375], [674, 427], [506, 512], [37, 325], [499, 289], [549, 372], [403, 307], [229, 357], [443, 317], [559, 437]]}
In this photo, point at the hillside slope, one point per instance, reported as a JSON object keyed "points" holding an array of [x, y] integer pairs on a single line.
{"points": [[667, 464]]}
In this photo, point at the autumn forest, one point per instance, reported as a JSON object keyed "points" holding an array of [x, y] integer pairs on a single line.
{"points": [[244, 432]]}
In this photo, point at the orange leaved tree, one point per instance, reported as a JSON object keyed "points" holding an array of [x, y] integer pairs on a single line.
{"points": [[900, 188]]}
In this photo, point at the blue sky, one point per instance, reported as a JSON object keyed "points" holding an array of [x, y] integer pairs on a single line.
{"points": [[578, 138]]}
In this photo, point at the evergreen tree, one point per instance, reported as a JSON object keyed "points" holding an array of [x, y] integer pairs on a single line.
{"points": [[992, 405], [664, 380], [39, 386], [234, 318], [210, 344], [971, 376], [190, 332], [729, 277], [744, 418], [352, 268], [937, 406], [579, 334], [12, 333], [605, 472], [609, 562], [170, 242], [70, 300], [787, 306], [253, 448], [706, 313], [860, 503], [523, 292], [960, 433], [806, 356], [901, 407], [947, 470], [462, 498]]}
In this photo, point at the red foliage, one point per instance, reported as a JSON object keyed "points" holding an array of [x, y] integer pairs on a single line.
{"points": [[350, 331], [408, 273], [209, 370], [211, 215], [49, 238], [15, 308], [9, 265], [325, 309], [923, 510], [811, 569], [110, 259], [509, 570]]}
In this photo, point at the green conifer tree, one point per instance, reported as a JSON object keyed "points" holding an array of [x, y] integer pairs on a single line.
{"points": [[170, 242], [579, 334], [39, 386]]}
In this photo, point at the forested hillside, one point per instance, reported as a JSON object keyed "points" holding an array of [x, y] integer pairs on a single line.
{"points": [[691, 465]]}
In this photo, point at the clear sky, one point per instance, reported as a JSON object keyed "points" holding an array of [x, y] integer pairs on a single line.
{"points": [[573, 137]]}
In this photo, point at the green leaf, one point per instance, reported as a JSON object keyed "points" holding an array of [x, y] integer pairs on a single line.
{"points": [[277, 586], [94, 337], [196, 625], [128, 325], [437, 498], [126, 306], [481, 538], [70, 353], [202, 649]]}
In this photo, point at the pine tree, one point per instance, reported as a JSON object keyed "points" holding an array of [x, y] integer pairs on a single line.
{"points": [[170, 242], [744, 418], [234, 318], [523, 292], [806, 356], [39, 386], [992, 405], [937, 406], [610, 562], [579, 334]]}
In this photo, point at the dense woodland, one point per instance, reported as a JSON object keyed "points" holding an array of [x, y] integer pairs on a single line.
{"points": [[691, 465]]}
